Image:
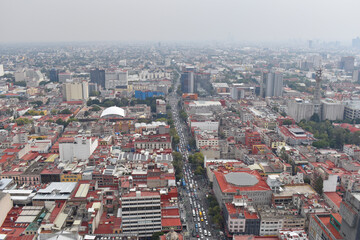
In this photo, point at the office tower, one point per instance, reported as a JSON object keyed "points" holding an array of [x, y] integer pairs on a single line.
{"points": [[141, 213], [310, 43], [64, 77], [1, 70], [317, 94], [75, 91], [187, 82], [356, 42], [116, 79], [347, 63], [54, 75], [356, 76], [98, 76], [350, 213], [274, 84]]}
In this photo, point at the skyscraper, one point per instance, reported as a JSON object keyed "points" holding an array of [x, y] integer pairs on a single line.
{"points": [[274, 84], [54, 75], [98, 76], [347, 63], [187, 82], [75, 91], [356, 42], [116, 79]]}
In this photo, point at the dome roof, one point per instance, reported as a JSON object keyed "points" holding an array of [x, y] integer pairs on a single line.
{"points": [[113, 111]]}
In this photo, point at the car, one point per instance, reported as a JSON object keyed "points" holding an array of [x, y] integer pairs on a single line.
{"points": [[205, 232], [209, 234], [200, 229]]}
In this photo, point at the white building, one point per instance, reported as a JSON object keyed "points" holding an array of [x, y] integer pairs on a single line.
{"points": [[75, 91], [30, 76], [116, 79], [205, 125], [141, 213], [79, 147], [1, 70]]}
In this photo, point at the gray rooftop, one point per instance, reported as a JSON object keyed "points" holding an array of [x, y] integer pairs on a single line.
{"points": [[241, 179]]}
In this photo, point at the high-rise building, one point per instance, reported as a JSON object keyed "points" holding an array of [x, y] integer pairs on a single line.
{"points": [[317, 95], [141, 213], [98, 76], [75, 91], [116, 79], [54, 75], [350, 213], [187, 82], [274, 84], [356, 76], [64, 77], [356, 42], [347, 63], [1, 70]]}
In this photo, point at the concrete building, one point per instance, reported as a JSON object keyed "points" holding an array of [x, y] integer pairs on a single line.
{"points": [[160, 106], [78, 147], [141, 213], [54, 75], [350, 213], [352, 110], [116, 79], [6, 204], [299, 109], [30, 76], [98, 76], [75, 91], [347, 63], [324, 226], [64, 77], [1, 70], [274, 84], [187, 80], [332, 110], [248, 183]]}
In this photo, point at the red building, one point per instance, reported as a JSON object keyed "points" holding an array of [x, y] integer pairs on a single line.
{"points": [[252, 138]]}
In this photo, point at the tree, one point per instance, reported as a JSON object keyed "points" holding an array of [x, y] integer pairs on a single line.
{"points": [[315, 118], [86, 113], [65, 111], [287, 122], [318, 184], [199, 170], [156, 235], [95, 108]]}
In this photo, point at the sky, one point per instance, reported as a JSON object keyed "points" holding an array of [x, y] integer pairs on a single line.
{"points": [[178, 20]]}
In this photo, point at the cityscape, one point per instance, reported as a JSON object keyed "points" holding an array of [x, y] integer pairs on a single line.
{"points": [[200, 138]]}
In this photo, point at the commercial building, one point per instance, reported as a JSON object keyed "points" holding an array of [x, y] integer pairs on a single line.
{"points": [[247, 183], [78, 147], [187, 80], [141, 213], [6, 204], [116, 79], [347, 63], [325, 226], [332, 110], [98, 76], [64, 77], [75, 91], [352, 110], [1, 70], [160, 106], [274, 84], [54, 75], [350, 213]]}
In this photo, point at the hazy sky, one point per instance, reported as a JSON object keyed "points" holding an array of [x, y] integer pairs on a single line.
{"points": [[178, 20]]}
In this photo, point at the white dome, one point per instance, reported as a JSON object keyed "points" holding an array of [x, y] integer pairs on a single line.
{"points": [[113, 111]]}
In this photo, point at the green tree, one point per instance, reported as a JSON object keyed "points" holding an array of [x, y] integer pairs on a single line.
{"points": [[95, 108], [86, 113], [199, 170], [65, 111], [318, 184], [315, 118], [156, 235], [287, 122]]}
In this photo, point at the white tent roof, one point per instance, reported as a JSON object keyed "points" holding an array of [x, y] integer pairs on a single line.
{"points": [[113, 111]]}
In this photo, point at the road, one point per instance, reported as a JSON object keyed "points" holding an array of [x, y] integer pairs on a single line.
{"points": [[193, 194]]}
